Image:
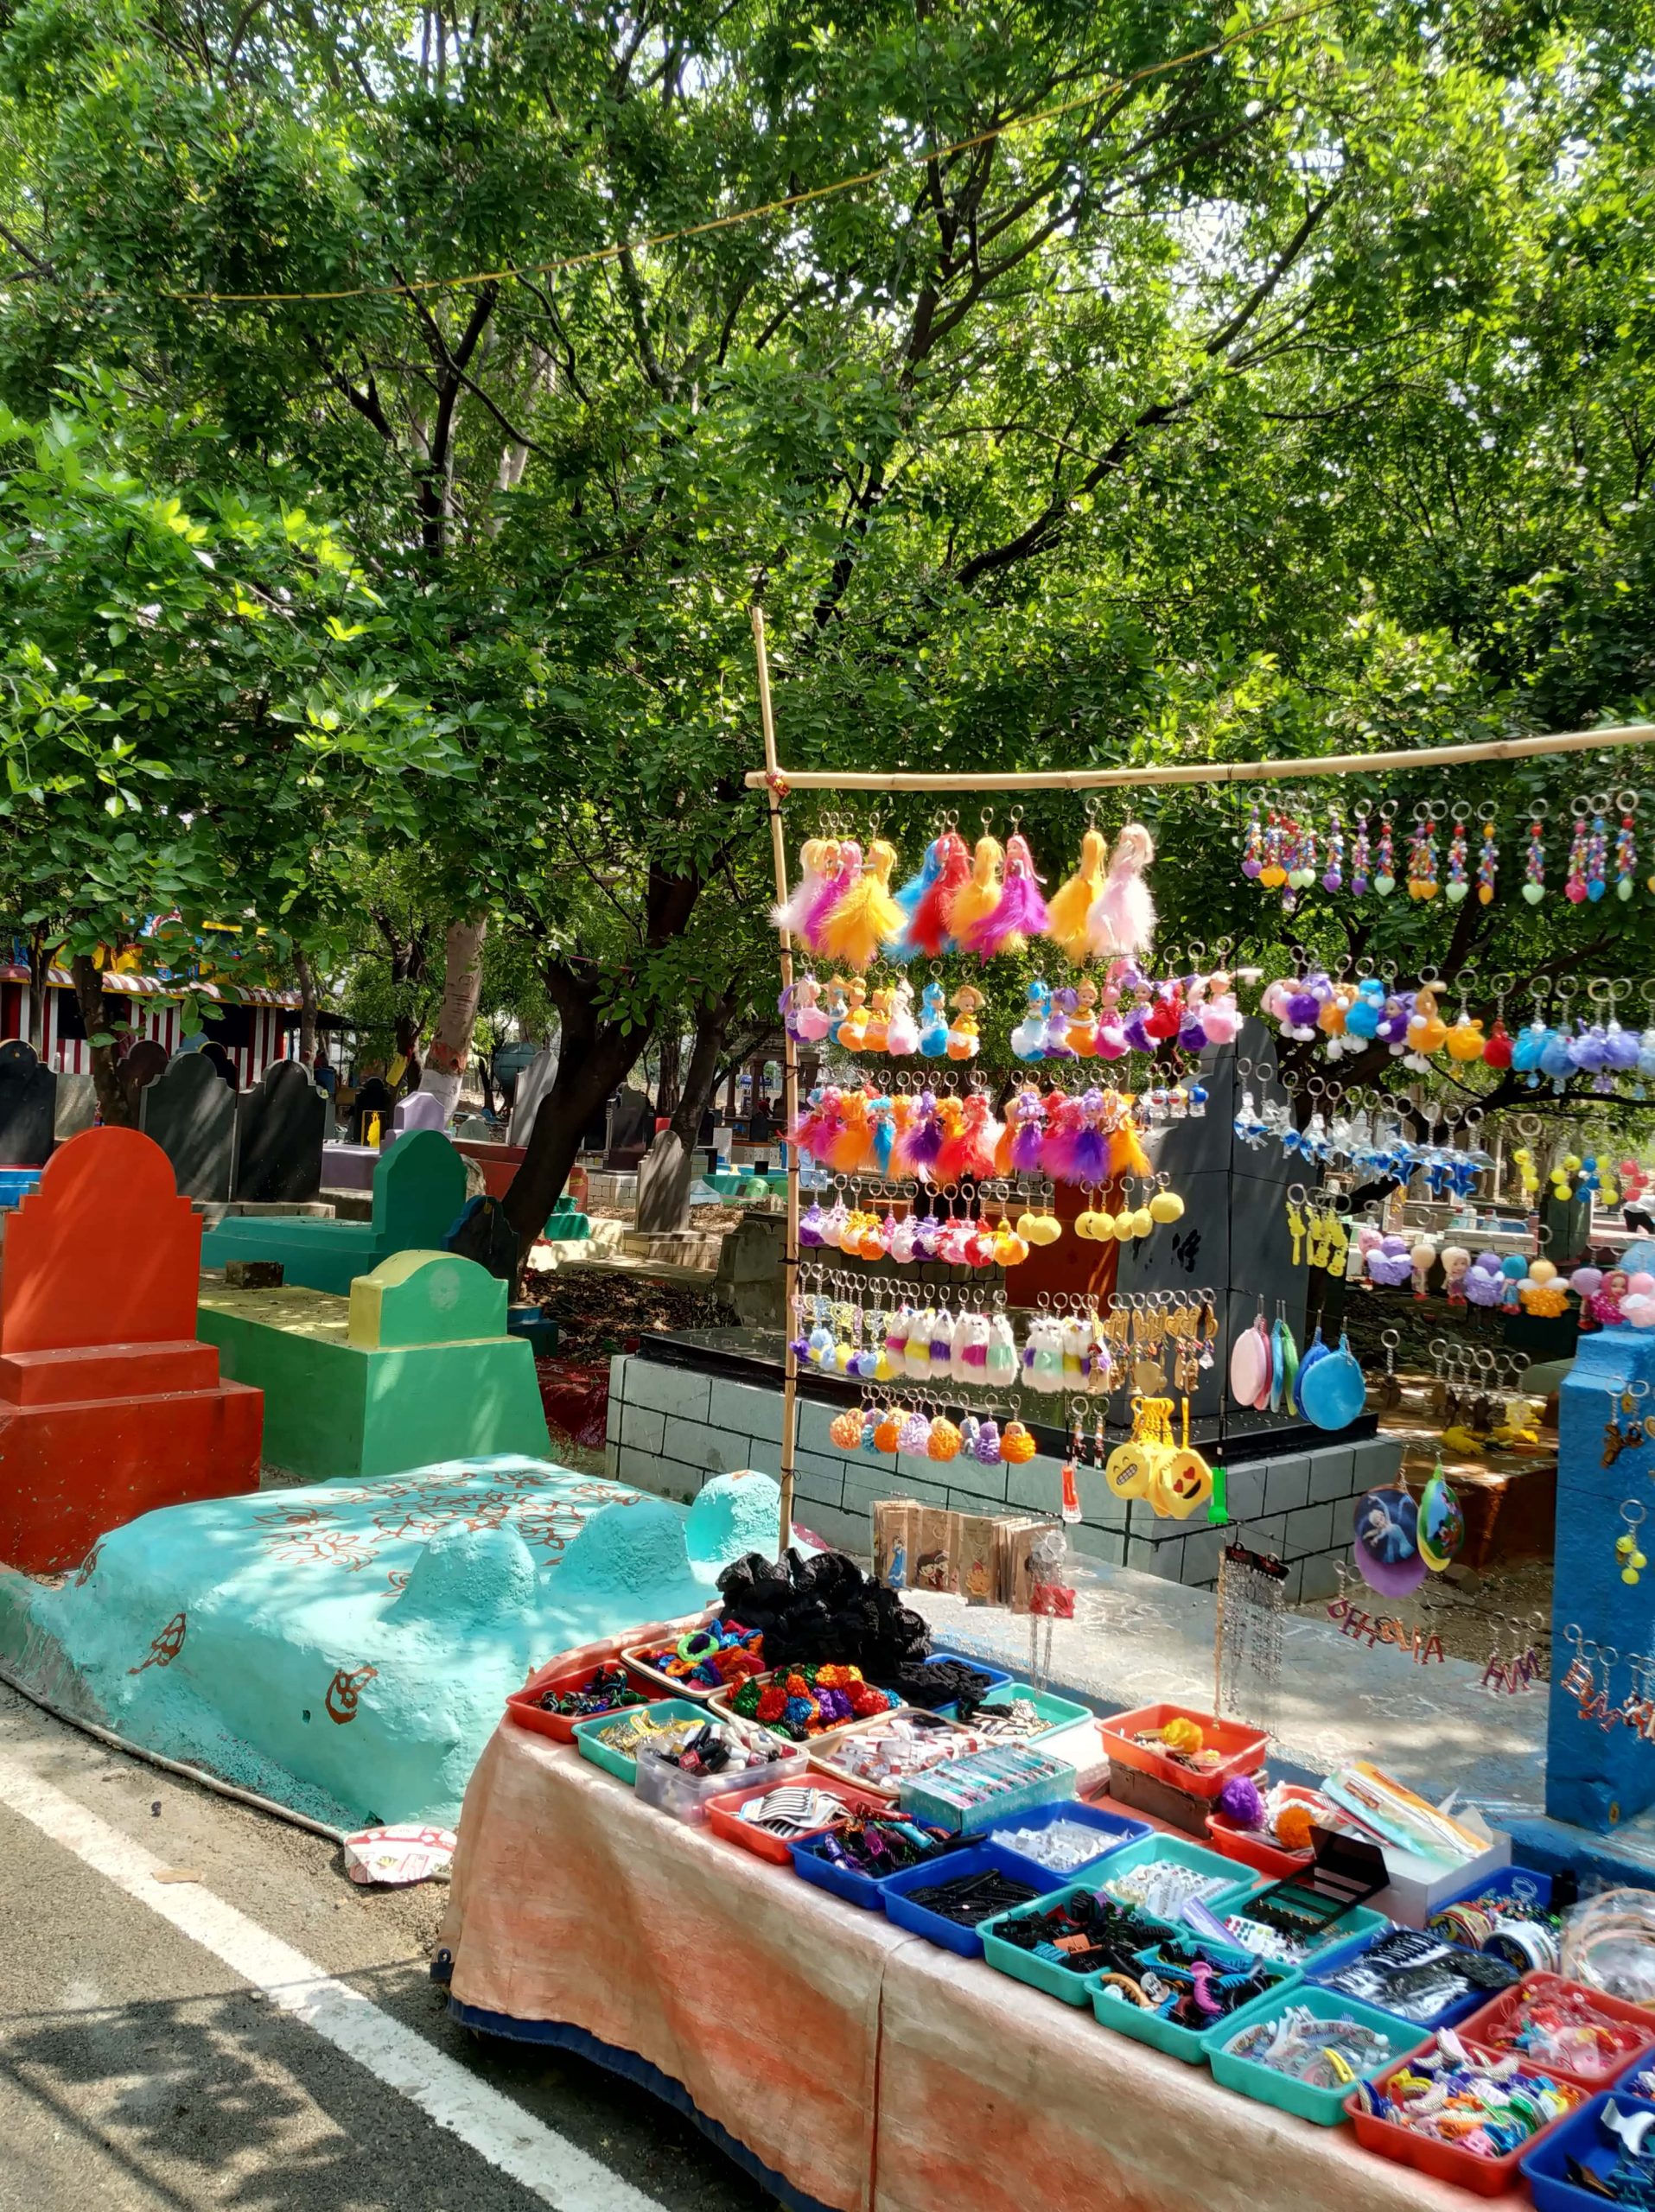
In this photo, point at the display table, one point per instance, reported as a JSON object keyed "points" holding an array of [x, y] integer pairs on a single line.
{"points": [[856, 2066]]}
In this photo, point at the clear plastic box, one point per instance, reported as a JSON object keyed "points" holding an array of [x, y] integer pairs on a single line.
{"points": [[685, 1796]]}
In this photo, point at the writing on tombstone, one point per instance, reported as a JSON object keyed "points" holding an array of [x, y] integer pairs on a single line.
{"points": [[190, 1112], [281, 1127], [28, 1106]]}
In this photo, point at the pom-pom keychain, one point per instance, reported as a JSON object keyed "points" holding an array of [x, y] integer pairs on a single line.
{"points": [[1239, 1800], [866, 918], [1017, 1446], [1121, 919], [1020, 914], [1069, 908], [978, 897]]}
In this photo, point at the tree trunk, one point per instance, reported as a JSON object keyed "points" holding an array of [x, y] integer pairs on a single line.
{"points": [[307, 1007], [666, 1080], [112, 1103], [701, 1075], [588, 1071], [38, 987], [463, 984]]}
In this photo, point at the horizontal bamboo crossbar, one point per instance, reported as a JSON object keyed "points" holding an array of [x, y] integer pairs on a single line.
{"points": [[1210, 772]]}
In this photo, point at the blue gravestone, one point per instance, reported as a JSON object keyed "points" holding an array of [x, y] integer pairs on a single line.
{"points": [[1599, 1777]]}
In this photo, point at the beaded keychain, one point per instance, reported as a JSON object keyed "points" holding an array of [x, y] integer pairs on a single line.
{"points": [[1575, 883], [1459, 882], [1385, 870], [1626, 1549], [1422, 849], [1360, 858], [1626, 845], [1488, 856], [1534, 865]]}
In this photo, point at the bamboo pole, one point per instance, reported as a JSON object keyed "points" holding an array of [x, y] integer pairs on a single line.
{"points": [[771, 781], [1212, 771]]}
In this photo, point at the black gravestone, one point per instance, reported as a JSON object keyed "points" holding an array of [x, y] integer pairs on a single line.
{"points": [[142, 1062], [219, 1056], [280, 1122], [482, 1233], [373, 1097], [190, 1111], [28, 1106]]}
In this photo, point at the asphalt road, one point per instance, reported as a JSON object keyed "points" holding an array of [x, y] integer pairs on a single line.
{"points": [[138, 2072]]}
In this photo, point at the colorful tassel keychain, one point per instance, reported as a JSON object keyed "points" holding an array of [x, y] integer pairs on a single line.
{"points": [[1121, 919], [1020, 914], [793, 915], [1534, 865], [1068, 909]]}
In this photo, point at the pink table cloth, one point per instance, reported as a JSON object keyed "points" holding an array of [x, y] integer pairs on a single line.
{"points": [[873, 2071]]}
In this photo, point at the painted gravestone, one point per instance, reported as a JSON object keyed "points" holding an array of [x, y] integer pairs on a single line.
{"points": [[280, 1126], [417, 1360], [109, 1405], [372, 1098], [28, 1106], [665, 1174], [190, 1112], [421, 1109], [419, 1186]]}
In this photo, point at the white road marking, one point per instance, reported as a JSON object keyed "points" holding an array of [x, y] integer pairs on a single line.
{"points": [[555, 2170]]}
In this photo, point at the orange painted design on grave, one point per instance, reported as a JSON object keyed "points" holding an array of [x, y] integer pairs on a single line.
{"points": [[109, 1405]]}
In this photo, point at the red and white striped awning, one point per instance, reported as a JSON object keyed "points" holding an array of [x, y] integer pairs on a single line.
{"points": [[160, 987]]}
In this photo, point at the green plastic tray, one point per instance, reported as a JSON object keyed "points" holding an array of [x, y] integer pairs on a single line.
{"points": [[1360, 1920], [1056, 1711], [1187, 2044], [1239, 1881], [1023, 1965], [1325, 2107], [616, 1762]]}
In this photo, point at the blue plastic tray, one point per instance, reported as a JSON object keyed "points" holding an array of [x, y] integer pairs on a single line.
{"points": [[1323, 1963], [1505, 1882], [844, 1881], [959, 1866], [1577, 2137], [1114, 1830]]}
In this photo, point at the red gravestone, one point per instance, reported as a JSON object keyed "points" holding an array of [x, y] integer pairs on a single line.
{"points": [[109, 1406]]}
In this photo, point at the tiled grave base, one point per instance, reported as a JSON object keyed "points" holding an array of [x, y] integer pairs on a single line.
{"points": [[671, 1428]]}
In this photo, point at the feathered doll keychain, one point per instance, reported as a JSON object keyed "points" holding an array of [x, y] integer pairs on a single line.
{"points": [[929, 931], [975, 901], [1020, 912], [866, 916], [794, 911], [1122, 916], [1068, 909]]}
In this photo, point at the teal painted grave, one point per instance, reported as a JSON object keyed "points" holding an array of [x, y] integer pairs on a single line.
{"points": [[419, 1186]]}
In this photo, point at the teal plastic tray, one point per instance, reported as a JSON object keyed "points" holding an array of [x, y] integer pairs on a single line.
{"points": [[1187, 2044], [1360, 1920], [1023, 1965], [1239, 1882], [1056, 1711], [1325, 2107], [615, 1763]]}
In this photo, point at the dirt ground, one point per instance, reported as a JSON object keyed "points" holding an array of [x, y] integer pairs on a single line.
{"points": [[598, 1313]]}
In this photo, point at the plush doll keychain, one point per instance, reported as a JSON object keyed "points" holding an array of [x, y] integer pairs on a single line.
{"points": [[1121, 919], [976, 900], [1069, 908], [1020, 911]]}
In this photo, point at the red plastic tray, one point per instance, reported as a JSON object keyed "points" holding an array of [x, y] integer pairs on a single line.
{"points": [[722, 1816], [525, 1709], [1242, 1749], [1445, 2161], [1251, 1850], [1482, 2027]]}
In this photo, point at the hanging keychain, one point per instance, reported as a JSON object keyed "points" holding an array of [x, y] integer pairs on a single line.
{"points": [[1361, 861], [1488, 855], [1626, 845], [1534, 865], [1333, 874], [1459, 882], [1422, 849], [1384, 871], [1574, 883], [1070, 1504], [1597, 849]]}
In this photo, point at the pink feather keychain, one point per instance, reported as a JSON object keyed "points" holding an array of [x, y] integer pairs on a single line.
{"points": [[795, 911], [1122, 917], [1020, 912], [841, 867]]}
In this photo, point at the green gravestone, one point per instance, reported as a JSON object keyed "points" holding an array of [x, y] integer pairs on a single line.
{"points": [[419, 1185], [415, 1361]]}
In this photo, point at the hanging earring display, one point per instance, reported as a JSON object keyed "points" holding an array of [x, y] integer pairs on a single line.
{"points": [[1251, 1600]]}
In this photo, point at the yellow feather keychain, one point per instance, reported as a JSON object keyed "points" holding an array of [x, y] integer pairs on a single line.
{"points": [[980, 894], [1068, 909], [867, 916]]}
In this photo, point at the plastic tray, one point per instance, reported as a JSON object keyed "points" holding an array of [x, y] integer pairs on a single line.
{"points": [[959, 1866], [527, 1711], [721, 1705], [1361, 1921], [1250, 1849], [632, 1659], [996, 1674], [1482, 2026], [1505, 1882], [1056, 1711], [844, 1881], [1242, 1749], [1544, 2162], [615, 1763], [1327, 2107], [1187, 2044], [1023, 1965], [1329, 1960], [1114, 1830], [1444, 2161], [821, 1747], [687, 1796], [724, 1819], [1181, 1852]]}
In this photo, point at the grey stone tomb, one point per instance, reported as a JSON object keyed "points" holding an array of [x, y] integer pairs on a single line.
{"points": [[281, 1125], [190, 1111]]}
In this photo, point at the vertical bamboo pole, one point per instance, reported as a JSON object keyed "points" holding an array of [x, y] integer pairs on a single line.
{"points": [[774, 788]]}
